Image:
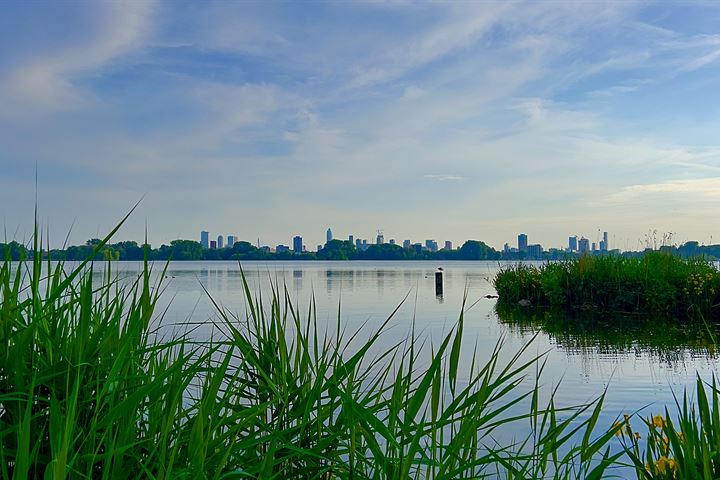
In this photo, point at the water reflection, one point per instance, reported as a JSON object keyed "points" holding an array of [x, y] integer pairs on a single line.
{"points": [[590, 334]]}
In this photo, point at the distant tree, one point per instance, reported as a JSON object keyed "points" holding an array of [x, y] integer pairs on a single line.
{"points": [[477, 250], [337, 250]]}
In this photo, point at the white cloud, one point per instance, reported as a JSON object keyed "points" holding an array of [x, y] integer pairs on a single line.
{"points": [[45, 82]]}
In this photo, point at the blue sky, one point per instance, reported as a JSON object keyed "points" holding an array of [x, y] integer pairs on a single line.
{"points": [[426, 120]]}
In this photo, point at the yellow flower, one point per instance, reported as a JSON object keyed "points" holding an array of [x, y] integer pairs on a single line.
{"points": [[661, 464], [617, 426], [658, 421]]}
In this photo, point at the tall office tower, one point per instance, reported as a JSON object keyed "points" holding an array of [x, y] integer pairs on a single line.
{"points": [[406, 243], [220, 241], [213, 244], [522, 242], [230, 241], [603, 246], [448, 245], [572, 243], [358, 244], [380, 239], [351, 239], [605, 239], [328, 235], [297, 244], [205, 239], [583, 245], [594, 246], [431, 245]]}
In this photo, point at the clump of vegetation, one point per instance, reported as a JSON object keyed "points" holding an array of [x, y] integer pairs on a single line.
{"points": [[687, 448], [656, 283]]}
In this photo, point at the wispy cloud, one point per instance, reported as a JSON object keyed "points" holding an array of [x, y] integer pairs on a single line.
{"points": [[445, 178]]}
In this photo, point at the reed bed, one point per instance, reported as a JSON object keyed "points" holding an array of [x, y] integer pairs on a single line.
{"points": [[656, 283], [89, 389]]}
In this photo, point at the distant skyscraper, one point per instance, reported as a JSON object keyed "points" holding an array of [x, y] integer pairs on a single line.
{"points": [[572, 243], [297, 244], [448, 245], [535, 251], [328, 235], [522, 242], [205, 239], [358, 244], [380, 239], [213, 244], [583, 245], [406, 243], [231, 241], [594, 246], [431, 245], [605, 241], [506, 247], [351, 239], [220, 241]]}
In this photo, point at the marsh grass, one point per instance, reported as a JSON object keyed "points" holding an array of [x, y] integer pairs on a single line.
{"points": [[89, 389], [656, 283]]}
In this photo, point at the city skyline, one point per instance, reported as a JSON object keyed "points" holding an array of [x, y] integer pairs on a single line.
{"points": [[475, 119], [298, 242]]}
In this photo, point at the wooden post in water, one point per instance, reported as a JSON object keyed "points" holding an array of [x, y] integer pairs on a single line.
{"points": [[439, 281]]}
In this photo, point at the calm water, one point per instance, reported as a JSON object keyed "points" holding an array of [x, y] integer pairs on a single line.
{"points": [[636, 372]]}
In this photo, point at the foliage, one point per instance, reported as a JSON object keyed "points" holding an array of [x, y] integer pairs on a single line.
{"points": [[687, 448], [657, 283], [88, 389]]}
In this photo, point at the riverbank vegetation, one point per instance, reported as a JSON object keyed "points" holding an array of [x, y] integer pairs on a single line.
{"points": [[91, 386], [657, 283]]}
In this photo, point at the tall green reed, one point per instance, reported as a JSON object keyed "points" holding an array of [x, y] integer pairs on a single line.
{"points": [[90, 389]]}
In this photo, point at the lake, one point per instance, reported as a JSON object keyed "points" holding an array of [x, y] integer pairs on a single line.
{"points": [[640, 367]]}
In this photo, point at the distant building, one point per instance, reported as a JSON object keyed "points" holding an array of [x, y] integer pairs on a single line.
{"points": [[351, 239], [380, 239], [583, 245], [328, 236], [220, 241], [213, 244], [572, 243], [535, 251], [605, 242], [431, 245], [297, 244], [506, 248], [392, 241], [594, 247], [603, 246], [364, 245], [358, 244], [522, 242], [406, 244], [282, 248], [205, 239], [448, 245], [230, 241], [418, 248], [319, 247]]}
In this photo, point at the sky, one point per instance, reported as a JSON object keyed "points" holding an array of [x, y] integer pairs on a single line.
{"points": [[445, 121]]}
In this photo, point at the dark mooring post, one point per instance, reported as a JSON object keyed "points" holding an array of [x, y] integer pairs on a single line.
{"points": [[439, 281]]}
